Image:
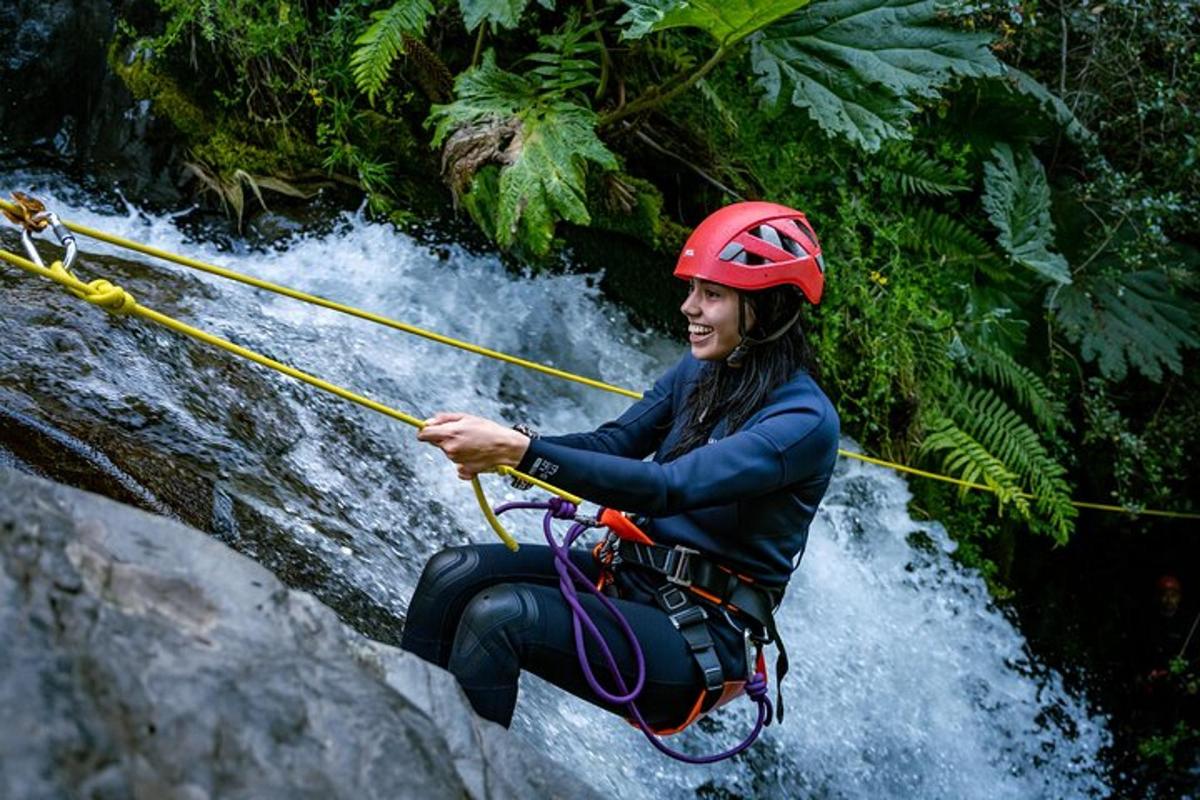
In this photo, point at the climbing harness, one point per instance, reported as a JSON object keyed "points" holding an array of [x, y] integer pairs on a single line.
{"points": [[687, 617], [17, 212]]}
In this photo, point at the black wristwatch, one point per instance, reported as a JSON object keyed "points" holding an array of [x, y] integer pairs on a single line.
{"points": [[519, 483]]}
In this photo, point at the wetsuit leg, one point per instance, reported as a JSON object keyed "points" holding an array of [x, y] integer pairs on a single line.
{"points": [[455, 575], [515, 626], [485, 613]]}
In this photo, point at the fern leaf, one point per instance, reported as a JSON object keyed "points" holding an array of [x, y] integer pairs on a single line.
{"points": [[569, 59], [945, 236], [378, 47], [970, 461], [1003, 371], [1017, 200], [985, 416], [914, 173]]}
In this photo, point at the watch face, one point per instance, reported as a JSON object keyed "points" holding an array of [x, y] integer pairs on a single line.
{"points": [[521, 427]]}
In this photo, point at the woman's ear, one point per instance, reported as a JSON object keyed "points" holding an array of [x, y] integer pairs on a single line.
{"points": [[750, 316]]}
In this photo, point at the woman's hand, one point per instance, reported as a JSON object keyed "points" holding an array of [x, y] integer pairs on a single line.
{"points": [[473, 443]]}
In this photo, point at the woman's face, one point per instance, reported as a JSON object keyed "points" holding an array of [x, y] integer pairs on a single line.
{"points": [[712, 313]]}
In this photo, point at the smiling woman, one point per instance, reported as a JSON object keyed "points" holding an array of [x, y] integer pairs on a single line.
{"points": [[744, 443]]}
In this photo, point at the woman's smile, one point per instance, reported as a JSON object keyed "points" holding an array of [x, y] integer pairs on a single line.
{"points": [[712, 313]]}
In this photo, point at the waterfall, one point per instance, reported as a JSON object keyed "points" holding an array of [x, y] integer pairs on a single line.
{"points": [[906, 681]]}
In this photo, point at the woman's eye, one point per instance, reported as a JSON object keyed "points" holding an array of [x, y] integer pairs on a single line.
{"points": [[711, 295]]}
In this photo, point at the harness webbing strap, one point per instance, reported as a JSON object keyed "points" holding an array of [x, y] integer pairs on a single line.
{"points": [[685, 568], [690, 620]]}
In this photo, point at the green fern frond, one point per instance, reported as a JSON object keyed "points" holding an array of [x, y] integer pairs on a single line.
{"points": [[913, 173], [994, 425], [380, 44], [968, 460], [569, 59], [1003, 371], [944, 236]]}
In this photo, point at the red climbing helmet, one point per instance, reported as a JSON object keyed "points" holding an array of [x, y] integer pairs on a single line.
{"points": [[755, 245]]}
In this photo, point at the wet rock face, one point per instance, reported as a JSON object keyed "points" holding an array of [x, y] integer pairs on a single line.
{"points": [[58, 97], [142, 658]]}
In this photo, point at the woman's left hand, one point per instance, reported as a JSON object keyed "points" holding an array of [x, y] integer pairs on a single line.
{"points": [[473, 443]]}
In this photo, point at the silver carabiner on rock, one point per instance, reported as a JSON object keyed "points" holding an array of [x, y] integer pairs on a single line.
{"points": [[66, 239]]}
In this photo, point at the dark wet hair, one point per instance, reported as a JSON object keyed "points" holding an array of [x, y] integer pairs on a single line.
{"points": [[736, 393]]}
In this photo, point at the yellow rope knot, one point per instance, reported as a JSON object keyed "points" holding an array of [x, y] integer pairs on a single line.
{"points": [[112, 299]]}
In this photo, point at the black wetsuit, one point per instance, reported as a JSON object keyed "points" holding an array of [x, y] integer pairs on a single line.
{"points": [[745, 500]]}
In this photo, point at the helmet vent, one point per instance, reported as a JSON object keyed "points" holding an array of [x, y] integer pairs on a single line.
{"points": [[730, 251], [739, 255], [769, 235]]}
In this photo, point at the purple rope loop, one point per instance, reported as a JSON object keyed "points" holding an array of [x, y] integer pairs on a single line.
{"points": [[571, 576], [562, 509]]}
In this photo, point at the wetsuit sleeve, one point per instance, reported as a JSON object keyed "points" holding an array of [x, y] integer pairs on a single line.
{"points": [[781, 449], [636, 433]]}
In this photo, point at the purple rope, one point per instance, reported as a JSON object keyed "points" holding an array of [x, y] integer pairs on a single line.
{"points": [[568, 576]]}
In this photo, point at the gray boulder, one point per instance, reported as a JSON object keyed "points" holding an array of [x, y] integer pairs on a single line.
{"points": [[140, 658]]}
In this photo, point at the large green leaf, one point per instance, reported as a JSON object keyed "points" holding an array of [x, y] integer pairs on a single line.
{"points": [[1017, 200], [378, 46], [482, 93], [505, 13], [546, 182], [727, 21], [858, 66], [1131, 321], [543, 172]]}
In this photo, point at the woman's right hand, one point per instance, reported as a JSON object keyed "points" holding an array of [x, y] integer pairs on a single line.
{"points": [[473, 443]]}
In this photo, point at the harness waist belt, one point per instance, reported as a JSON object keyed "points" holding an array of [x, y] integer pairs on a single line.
{"points": [[686, 568]]}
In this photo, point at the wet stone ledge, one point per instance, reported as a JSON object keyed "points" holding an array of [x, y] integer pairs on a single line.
{"points": [[144, 659]]}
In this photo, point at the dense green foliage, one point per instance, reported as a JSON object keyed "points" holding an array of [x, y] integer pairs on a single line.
{"points": [[1008, 215]]}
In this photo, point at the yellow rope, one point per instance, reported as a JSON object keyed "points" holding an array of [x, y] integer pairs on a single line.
{"points": [[463, 345], [1026, 495], [117, 301], [316, 300]]}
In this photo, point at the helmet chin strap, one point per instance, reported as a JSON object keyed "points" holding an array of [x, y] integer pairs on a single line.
{"points": [[739, 353]]}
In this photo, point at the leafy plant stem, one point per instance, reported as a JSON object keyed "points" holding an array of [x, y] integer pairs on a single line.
{"points": [[1112, 231], [656, 146], [655, 96], [605, 58], [478, 45]]}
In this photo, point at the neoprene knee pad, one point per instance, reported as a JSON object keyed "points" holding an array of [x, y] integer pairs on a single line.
{"points": [[447, 568], [499, 610]]}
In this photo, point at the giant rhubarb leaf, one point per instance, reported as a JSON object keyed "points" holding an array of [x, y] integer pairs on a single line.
{"points": [[727, 21], [1131, 321], [1017, 199], [859, 66], [542, 144]]}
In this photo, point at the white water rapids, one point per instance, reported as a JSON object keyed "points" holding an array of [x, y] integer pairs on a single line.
{"points": [[906, 680]]}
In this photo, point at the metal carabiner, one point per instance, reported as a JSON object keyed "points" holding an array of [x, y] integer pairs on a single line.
{"points": [[31, 215], [66, 239]]}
